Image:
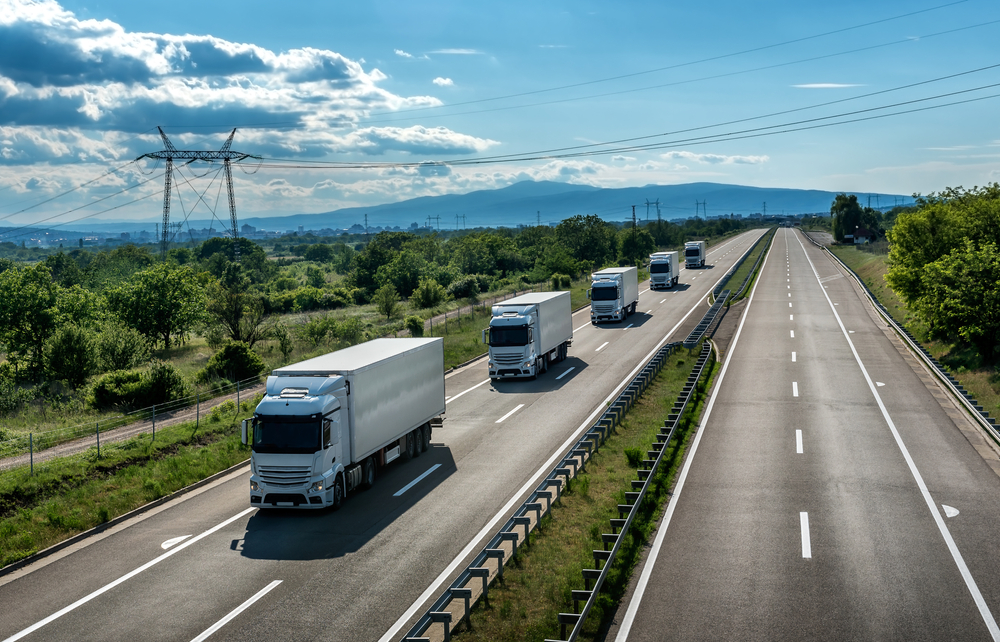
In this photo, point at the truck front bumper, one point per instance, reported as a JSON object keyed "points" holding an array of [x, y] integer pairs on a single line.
{"points": [[264, 496]]}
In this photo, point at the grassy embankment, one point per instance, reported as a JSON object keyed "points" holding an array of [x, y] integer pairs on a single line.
{"points": [[983, 382], [539, 581], [73, 494], [736, 280]]}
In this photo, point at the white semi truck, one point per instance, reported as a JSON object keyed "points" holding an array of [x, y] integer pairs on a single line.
{"points": [[695, 253], [326, 425], [663, 270], [528, 333], [613, 293]]}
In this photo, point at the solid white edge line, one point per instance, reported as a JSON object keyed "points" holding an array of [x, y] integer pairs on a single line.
{"points": [[571, 369], [239, 609], [647, 570], [807, 551], [602, 345], [798, 441], [956, 555], [107, 587], [500, 420], [532, 482], [416, 481], [450, 399]]}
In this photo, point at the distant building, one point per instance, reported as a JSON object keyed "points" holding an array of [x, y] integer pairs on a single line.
{"points": [[247, 230]]}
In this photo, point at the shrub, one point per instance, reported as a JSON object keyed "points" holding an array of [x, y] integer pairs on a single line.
{"points": [[12, 396], [557, 280], [235, 361], [135, 389], [565, 280], [464, 287], [386, 301], [121, 347], [415, 325], [71, 355], [163, 383], [428, 294], [280, 333]]}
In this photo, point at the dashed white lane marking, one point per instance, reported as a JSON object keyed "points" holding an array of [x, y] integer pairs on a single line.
{"points": [[447, 401], [807, 551], [879, 384], [791, 317], [420, 478], [649, 312], [850, 331], [239, 609], [795, 388], [836, 304], [581, 327], [949, 511], [798, 442], [500, 420], [789, 304], [663, 301], [176, 540], [602, 345], [571, 369], [789, 294], [793, 333], [793, 357], [628, 326]]}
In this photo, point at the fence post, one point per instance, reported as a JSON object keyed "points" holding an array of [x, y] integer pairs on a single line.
{"points": [[237, 397], [197, 411], [154, 422], [31, 451], [98, 440]]}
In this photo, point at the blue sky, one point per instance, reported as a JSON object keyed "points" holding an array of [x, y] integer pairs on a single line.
{"points": [[394, 84]]}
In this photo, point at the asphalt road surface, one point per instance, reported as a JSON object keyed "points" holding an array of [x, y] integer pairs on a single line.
{"points": [[829, 494], [208, 565]]}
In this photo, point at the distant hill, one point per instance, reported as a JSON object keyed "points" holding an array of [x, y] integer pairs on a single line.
{"points": [[527, 202]]}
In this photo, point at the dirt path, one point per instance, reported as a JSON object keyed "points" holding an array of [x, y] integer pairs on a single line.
{"points": [[127, 431]]}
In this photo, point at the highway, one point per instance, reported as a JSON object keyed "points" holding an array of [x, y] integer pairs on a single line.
{"points": [[829, 493], [207, 566]]}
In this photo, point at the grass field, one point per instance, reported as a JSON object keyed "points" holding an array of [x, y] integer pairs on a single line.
{"points": [[538, 583]]}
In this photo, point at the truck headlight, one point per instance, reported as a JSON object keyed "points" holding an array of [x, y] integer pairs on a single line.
{"points": [[526, 365], [253, 486], [317, 487]]}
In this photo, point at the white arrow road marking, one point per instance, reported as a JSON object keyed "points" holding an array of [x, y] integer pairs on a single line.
{"points": [[949, 511], [879, 384], [176, 540]]}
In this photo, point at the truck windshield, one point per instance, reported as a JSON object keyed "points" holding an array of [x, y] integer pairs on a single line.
{"points": [[280, 435], [508, 335], [660, 267], [692, 251], [604, 293]]}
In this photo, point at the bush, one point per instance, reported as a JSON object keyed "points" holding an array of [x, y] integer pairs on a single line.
{"points": [[235, 361], [565, 281], [415, 325], [557, 280], [215, 336], [386, 301], [163, 383], [135, 389], [121, 347], [428, 294], [12, 396], [71, 355], [464, 287]]}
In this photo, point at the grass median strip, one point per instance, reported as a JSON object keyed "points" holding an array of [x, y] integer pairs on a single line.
{"points": [[72, 494], [539, 582]]}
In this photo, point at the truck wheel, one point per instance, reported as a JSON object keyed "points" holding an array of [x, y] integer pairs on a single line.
{"points": [[418, 438], [425, 438], [633, 306], [368, 474], [411, 442], [338, 494]]}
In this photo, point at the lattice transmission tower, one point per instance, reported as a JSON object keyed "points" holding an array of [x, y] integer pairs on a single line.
{"points": [[226, 155]]}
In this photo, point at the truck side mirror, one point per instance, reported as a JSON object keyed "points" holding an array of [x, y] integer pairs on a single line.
{"points": [[588, 295], [243, 430], [484, 335]]}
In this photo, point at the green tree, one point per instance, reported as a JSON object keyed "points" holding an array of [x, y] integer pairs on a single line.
{"points": [[588, 238], [28, 314], [120, 347], [847, 215], [428, 294], [109, 269], [386, 301], [315, 277], [320, 252], [403, 272], [163, 302], [380, 251], [64, 269], [635, 244], [235, 307], [71, 355]]}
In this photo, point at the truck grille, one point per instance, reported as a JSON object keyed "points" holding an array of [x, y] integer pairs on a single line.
{"points": [[507, 359], [604, 308], [284, 475]]}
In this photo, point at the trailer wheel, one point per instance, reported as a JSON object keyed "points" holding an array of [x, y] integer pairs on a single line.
{"points": [[368, 474], [425, 438], [418, 438], [338, 494], [411, 443]]}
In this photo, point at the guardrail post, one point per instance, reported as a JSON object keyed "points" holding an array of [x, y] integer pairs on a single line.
{"points": [[444, 617]]}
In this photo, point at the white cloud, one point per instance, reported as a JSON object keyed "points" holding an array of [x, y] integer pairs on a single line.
{"points": [[618, 158], [715, 159], [825, 85], [443, 82], [458, 52], [400, 52]]}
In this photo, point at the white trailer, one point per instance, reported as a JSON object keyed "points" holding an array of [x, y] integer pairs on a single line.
{"points": [[695, 253], [528, 333], [663, 270], [613, 293], [326, 425]]}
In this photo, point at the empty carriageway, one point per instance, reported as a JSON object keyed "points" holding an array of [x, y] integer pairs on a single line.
{"points": [[828, 493], [210, 563]]}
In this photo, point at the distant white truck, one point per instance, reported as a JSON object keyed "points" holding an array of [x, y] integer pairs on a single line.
{"points": [[326, 425], [663, 270], [528, 333], [695, 253], [613, 294]]}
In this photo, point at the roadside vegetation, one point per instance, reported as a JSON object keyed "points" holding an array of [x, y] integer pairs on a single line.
{"points": [[538, 582]]}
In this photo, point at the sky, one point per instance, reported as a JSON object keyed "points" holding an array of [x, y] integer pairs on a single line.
{"points": [[346, 104]]}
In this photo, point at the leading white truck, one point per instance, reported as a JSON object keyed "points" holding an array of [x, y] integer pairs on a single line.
{"points": [[695, 253], [613, 293], [663, 270], [528, 333], [326, 425]]}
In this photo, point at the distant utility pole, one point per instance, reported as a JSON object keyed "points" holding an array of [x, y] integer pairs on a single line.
{"points": [[633, 228], [703, 205], [538, 217], [765, 209], [366, 228]]}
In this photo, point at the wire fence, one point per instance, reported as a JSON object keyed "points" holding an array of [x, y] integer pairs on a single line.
{"points": [[27, 449]]}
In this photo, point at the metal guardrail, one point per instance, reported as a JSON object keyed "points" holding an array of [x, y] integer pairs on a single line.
{"points": [[982, 417], [628, 510], [706, 322], [721, 285], [455, 604], [760, 257]]}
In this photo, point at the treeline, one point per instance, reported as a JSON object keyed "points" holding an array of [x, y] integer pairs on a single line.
{"points": [[80, 314], [944, 262]]}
